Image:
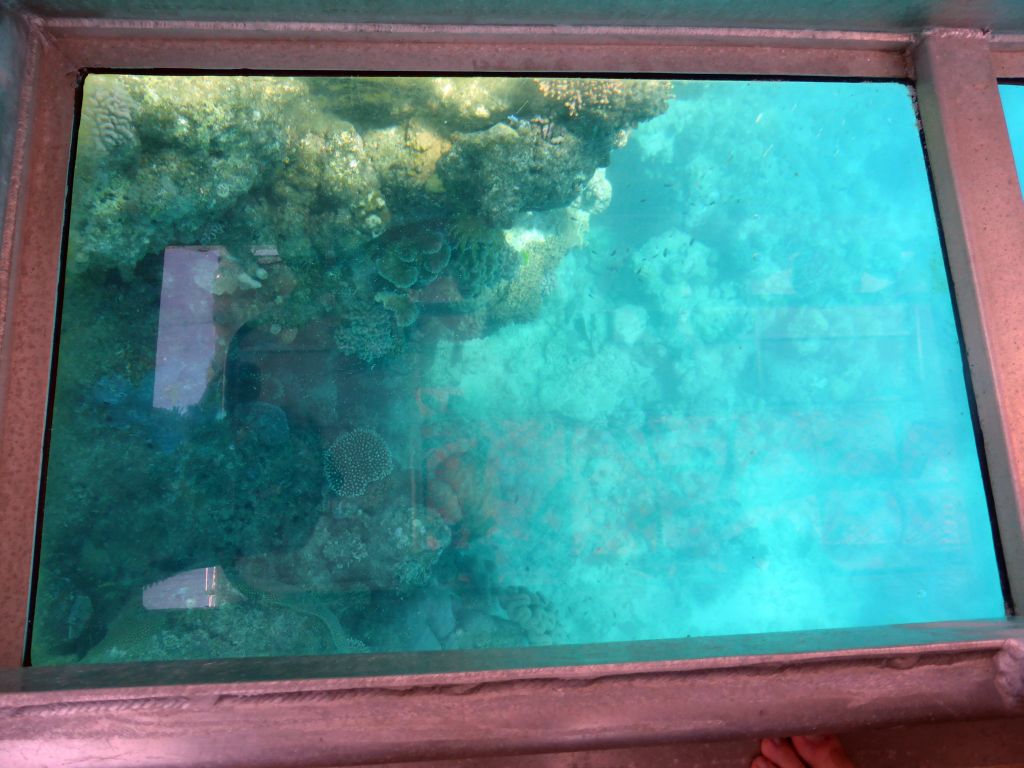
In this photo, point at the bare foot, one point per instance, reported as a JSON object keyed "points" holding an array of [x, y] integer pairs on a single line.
{"points": [[802, 752]]}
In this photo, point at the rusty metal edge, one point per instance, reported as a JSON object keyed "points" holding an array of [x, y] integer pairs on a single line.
{"points": [[673, 35], [380, 720], [704, 653], [409, 48], [1007, 55], [982, 214], [31, 251], [1008, 64]]}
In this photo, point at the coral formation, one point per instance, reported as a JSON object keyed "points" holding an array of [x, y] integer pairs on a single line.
{"points": [[359, 225], [393, 549], [405, 310], [108, 118], [457, 486], [356, 459], [338, 169], [541, 240], [406, 160], [352, 550], [481, 257], [414, 255], [396, 270], [349, 182], [533, 612], [263, 423], [264, 625], [367, 333], [597, 195], [508, 169], [612, 102], [409, 257]]}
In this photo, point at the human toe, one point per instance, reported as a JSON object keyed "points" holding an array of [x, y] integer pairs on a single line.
{"points": [[781, 753], [822, 751]]}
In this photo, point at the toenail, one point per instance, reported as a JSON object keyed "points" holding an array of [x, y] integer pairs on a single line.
{"points": [[816, 738], [776, 741]]}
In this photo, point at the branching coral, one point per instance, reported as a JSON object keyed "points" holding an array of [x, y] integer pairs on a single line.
{"points": [[355, 460], [367, 333], [541, 241], [617, 103]]}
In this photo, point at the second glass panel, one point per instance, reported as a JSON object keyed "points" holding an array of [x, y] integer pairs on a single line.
{"points": [[1012, 96]]}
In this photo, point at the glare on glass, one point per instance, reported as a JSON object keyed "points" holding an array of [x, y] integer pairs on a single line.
{"points": [[389, 364]]}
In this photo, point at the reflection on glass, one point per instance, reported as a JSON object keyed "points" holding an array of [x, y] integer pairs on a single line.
{"points": [[1013, 105], [379, 364]]}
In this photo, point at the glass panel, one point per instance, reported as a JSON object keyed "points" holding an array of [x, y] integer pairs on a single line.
{"points": [[384, 364], [1013, 105]]}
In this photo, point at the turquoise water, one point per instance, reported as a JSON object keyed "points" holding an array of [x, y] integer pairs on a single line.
{"points": [[1013, 104], [434, 363]]}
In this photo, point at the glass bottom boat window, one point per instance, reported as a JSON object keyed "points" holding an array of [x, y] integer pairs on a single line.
{"points": [[371, 364]]}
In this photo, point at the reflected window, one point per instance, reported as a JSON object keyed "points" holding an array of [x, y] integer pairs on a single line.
{"points": [[417, 363]]}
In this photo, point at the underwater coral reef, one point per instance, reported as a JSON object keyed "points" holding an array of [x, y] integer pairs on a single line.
{"points": [[268, 262], [374, 364]]}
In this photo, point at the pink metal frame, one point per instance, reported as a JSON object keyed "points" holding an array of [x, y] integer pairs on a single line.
{"points": [[362, 709]]}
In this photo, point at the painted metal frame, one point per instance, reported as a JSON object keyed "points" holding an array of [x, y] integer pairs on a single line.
{"points": [[375, 709]]}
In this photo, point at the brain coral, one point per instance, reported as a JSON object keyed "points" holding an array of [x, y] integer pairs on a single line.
{"points": [[533, 612], [108, 115], [354, 460]]}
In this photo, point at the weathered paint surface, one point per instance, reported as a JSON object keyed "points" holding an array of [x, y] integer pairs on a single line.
{"points": [[12, 67], [13, 49], [878, 15]]}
